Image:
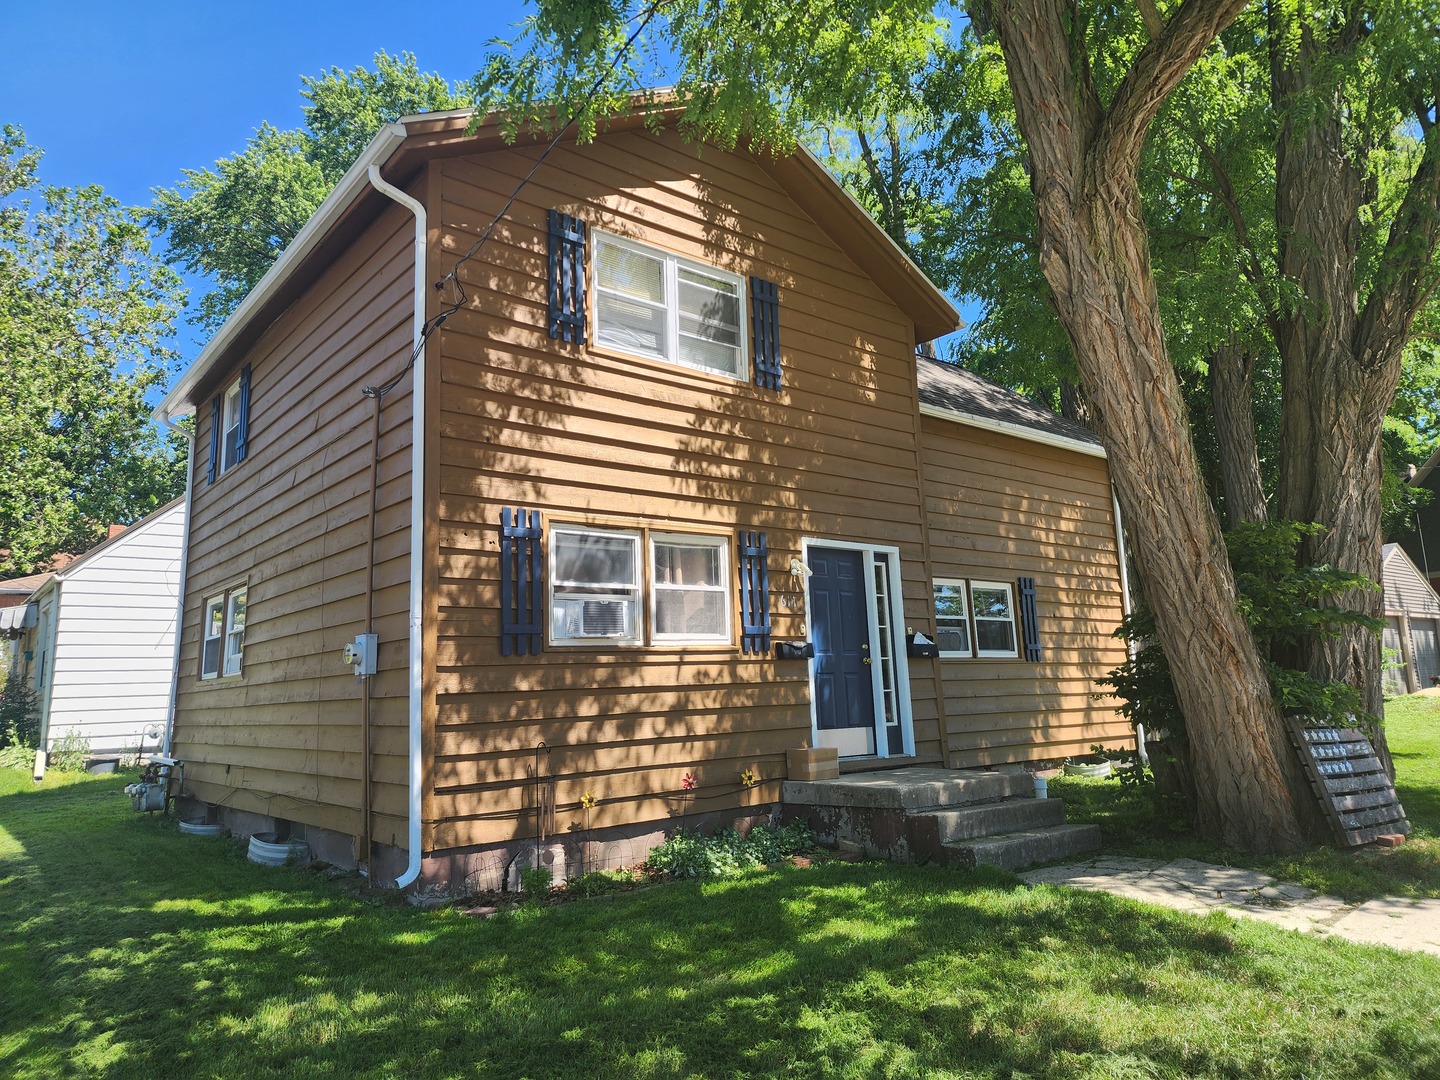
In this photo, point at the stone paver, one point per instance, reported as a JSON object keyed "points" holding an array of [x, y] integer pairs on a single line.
{"points": [[1199, 888]]}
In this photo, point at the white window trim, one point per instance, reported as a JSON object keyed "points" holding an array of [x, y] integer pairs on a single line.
{"points": [[225, 598], [719, 543], [964, 586], [672, 262], [995, 654], [636, 589]]}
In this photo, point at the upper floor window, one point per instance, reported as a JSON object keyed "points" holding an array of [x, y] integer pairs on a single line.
{"points": [[230, 425], [660, 305]]}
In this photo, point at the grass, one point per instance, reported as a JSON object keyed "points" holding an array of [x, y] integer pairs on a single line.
{"points": [[1412, 725], [127, 949]]}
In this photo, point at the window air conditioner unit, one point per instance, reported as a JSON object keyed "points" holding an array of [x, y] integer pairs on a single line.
{"points": [[603, 618]]}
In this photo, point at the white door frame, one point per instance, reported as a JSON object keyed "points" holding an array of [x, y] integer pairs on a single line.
{"points": [[871, 553]]}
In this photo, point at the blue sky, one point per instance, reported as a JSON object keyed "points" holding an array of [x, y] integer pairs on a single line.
{"points": [[126, 94]]}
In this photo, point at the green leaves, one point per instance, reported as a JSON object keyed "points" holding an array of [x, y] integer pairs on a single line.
{"points": [[87, 318], [231, 222]]}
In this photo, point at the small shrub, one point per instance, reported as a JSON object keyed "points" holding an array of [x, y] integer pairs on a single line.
{"points": [[602, 882], [70, 752], [727, 853], [19, 715], [17, 756], [535, 881]]}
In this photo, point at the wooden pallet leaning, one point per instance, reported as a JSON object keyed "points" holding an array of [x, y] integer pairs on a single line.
{"points": [[1355, 793]]}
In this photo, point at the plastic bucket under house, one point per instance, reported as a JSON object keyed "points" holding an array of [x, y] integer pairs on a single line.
{"points": [[201, 828], [267, 850]]}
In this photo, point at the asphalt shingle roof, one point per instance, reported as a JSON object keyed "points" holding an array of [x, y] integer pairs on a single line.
{"points": [[947, 386]]}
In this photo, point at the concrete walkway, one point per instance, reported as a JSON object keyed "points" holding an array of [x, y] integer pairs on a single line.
{"points": [[1200, 888]]}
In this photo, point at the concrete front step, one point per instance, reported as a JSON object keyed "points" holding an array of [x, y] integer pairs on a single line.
{"points": [[992, 819], [912, 790], [1017, 850]]}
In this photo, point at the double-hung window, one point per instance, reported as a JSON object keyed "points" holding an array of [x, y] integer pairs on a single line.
{"points": [[981, 623], [230, 426], [994, 605], [952, 618], [599, 578], [595, 590], [652, 303], [222, 646], [690, 598]]}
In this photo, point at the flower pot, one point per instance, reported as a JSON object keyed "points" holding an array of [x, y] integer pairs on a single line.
{"points": [[1092, 769]]}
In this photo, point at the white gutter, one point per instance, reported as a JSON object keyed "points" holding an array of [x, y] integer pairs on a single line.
{"points": [[184, 567], [1019, 431], [417, 519], [351, 185]]}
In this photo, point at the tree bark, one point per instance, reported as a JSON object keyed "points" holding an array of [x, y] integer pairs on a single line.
{"points": [[1094, 253], [1232, 374], [1340, 363]]}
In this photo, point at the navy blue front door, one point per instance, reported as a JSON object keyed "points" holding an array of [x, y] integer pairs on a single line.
{"points": [[840, 626]]}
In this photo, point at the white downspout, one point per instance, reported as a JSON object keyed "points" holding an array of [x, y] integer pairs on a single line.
{"points": [[184, 567], [417, 521]]}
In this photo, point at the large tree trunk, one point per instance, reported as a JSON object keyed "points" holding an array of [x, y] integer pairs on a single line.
{"points": [[1094, 253], [1341, 363], [1232, 373]]}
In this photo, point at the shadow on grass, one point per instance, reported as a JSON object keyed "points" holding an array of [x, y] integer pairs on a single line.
{"points": [[133, 950]]}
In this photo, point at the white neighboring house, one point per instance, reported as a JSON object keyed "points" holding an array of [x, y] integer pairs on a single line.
{"points": [[1412, 623], [98, 647]]}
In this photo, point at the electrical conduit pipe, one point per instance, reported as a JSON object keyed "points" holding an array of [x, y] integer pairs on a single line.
{"points": [[417, 521]]}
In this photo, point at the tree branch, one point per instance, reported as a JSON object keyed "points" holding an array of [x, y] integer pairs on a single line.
{"points": [[1406, 278], [1156, 72]]}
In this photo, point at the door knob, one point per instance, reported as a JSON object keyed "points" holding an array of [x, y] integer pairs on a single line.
{"points": [[866, 660]]}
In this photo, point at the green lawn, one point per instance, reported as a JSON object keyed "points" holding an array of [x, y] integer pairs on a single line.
{"points": [[130, 950], [1412, 727]]}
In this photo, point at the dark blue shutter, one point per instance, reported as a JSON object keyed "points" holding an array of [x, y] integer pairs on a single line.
{"points": [[1029, 624], [765, 332], [754, 594], [567, 278], [214, 439], [242, 437], [521, 580]]}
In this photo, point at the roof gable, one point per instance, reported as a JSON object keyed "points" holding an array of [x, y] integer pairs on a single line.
{"points": [[400, 151]]}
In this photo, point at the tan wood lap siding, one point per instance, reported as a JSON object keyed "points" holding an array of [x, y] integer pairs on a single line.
{"points": [[589, 435], [1001, 508], [284, 738]]}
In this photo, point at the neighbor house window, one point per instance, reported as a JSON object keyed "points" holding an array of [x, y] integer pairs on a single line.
{"points": [[952, 618], [599, 578], [994, 608], [222, 646], [595, 586], [655, 304], [985, 626], [691, 588]]}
